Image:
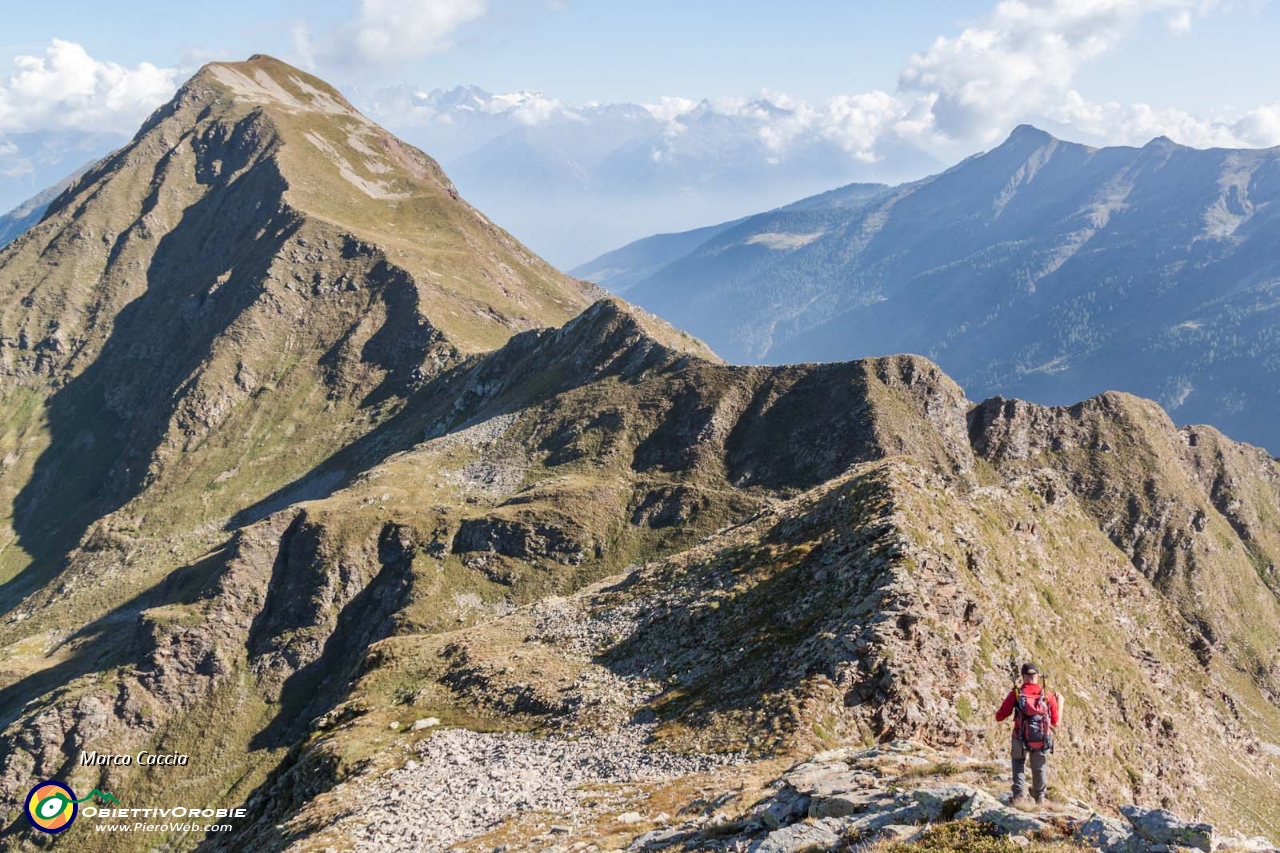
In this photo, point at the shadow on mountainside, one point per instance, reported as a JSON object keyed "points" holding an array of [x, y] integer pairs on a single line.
{"points": [[396, 434], [826, 573], [113, 640], [107, 422], [530, 368], [368, 617]]}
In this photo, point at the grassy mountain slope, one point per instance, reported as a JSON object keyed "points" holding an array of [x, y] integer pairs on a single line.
{"points": [[259, 279], [196, 297]]}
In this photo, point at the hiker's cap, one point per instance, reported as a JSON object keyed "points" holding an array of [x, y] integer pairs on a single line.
{"points": [[1030, 669]]}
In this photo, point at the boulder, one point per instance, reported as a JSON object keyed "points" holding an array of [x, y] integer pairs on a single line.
{"points": [[787, 806], [849, 803], [823, 780], [945, 802], [660, 839], [1108, 835], [523, 540], [798, 837], [986, 808], [870, 824], [896, 832], [1237, 843], [1161, 827]]}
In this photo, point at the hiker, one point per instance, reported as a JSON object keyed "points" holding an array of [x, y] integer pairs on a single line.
{"points": [[1036, 714]]}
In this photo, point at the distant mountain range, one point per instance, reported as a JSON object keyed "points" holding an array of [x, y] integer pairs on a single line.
{"points": [[610, 172], [30, 163], [1042, 268], [572, 181], [22, 217]]}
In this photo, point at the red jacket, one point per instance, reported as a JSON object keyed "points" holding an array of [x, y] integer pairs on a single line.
{"points": [[1011, 702]]}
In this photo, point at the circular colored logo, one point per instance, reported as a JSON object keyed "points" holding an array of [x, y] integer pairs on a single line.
{"points": [[51, 806]]}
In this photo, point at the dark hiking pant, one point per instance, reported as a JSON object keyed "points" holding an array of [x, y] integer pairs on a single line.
{"points": [[1039, 776]]}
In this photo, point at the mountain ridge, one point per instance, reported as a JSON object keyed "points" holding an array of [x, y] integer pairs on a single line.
{"points": [[1043, 269]]}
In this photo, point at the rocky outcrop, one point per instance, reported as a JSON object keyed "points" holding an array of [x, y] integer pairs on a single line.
{"points": [[899, 790], [1160, 827], [519, 539]]}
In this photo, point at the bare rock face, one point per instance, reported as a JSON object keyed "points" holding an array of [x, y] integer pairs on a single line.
{"points": [[893, 792], [1162, 827], [668, 507], [522, 540]]}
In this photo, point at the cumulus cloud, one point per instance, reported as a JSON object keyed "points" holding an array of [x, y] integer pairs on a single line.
{"points": [[1017, 63], [67, 89], [857, 122], [1136, 124], [1022, 58], [1260, 126], [388, 31], [527, 108]]}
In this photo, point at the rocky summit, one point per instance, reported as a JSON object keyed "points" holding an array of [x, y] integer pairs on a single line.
{"points": [[409, 542]]}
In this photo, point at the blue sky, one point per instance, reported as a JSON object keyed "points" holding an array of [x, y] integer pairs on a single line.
{"points": [[614, 50], [948, 77], [587, 50]]}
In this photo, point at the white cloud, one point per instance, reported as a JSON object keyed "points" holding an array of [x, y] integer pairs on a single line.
{"points": [[1021, 58], [12, 163], [857, 122], [779, 132], [669, 107], [67, 89], [1136, 124], [387, 31], [527, 108], [304, 49], [1179, 22], [966, 91], [1018, 63], [16, 168], [1260, 126]]}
